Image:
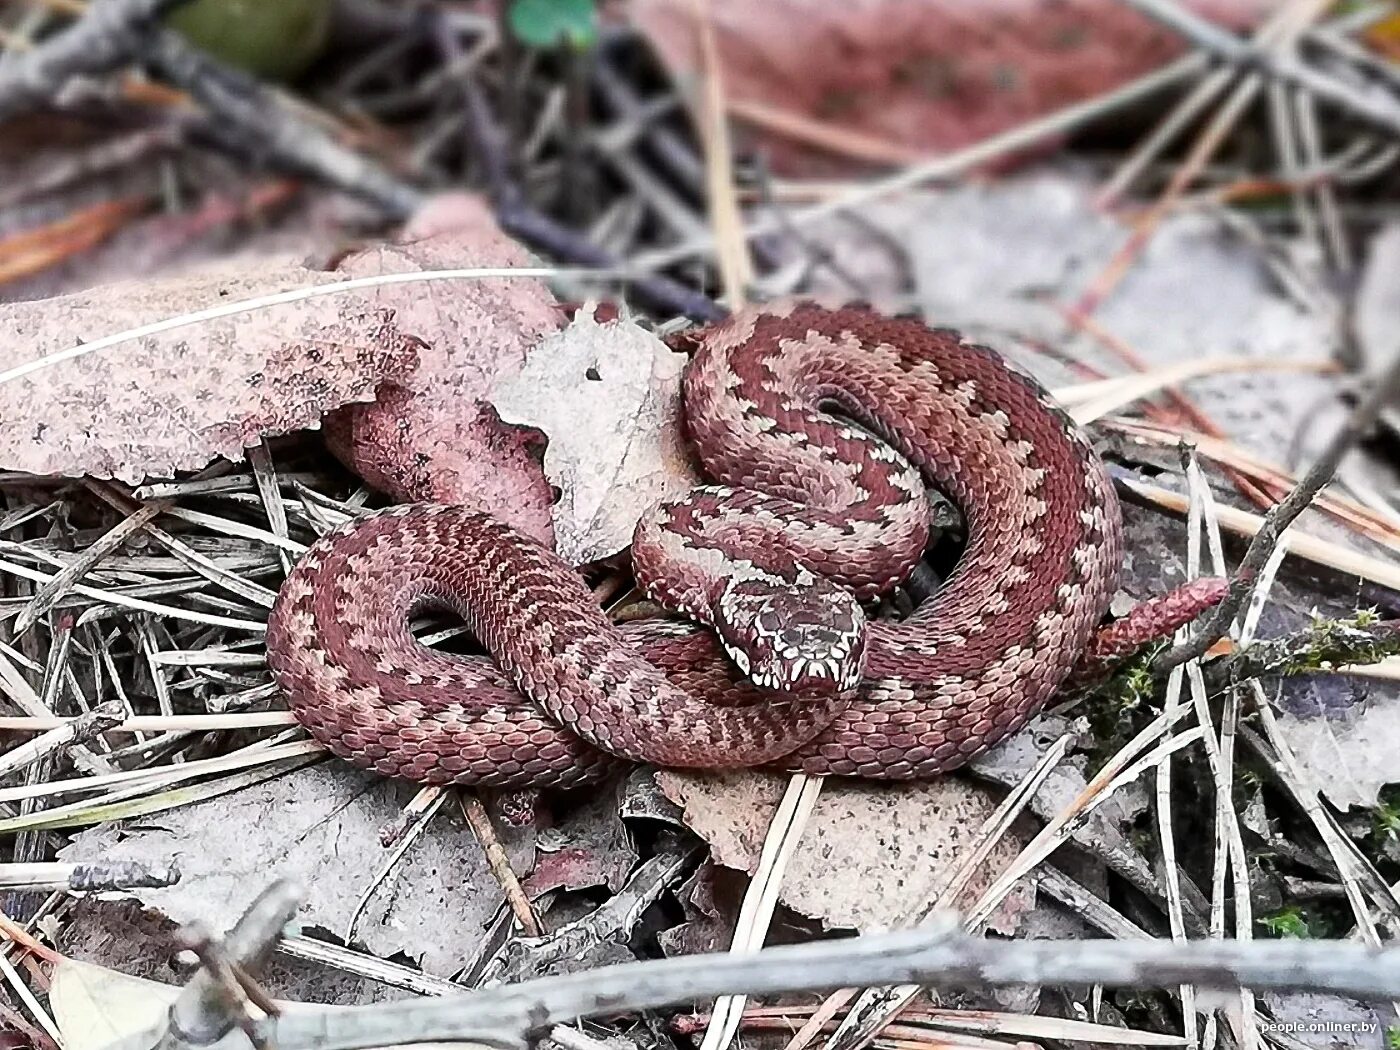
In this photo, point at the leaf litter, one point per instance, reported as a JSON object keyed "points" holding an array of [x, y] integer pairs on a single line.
{"points": [[871, 855], [246, 837], [318, 827]]}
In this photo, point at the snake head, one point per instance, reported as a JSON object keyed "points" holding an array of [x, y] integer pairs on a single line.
{"points": [[804, 639]]}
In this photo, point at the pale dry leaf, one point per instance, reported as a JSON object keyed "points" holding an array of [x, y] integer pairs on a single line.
{"points": [[608, 397], [151, 406], [432, 435], [1345, 735], [873, 854], [95, 1007], [320, 828]]}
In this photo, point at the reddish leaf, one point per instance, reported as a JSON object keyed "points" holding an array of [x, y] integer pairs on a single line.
{"points": [[884, 80], [432, 435]]}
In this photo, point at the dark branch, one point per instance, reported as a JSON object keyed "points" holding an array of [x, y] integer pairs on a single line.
{"points": [[1325, 646], [250, 116], [936, 955]]}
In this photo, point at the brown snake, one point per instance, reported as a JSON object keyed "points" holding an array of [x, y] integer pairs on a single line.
{"points": [[820, 513]]}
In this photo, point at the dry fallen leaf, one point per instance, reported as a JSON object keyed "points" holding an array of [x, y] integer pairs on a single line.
{"points": [[94, 1007], [608, 396], [161, 403], [1344, 735], [151, 406], [431, 434], [320, 828], [873, 854], [886, 80]]}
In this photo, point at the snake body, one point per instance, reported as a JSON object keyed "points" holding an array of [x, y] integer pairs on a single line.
{"points": [[808, 514]]}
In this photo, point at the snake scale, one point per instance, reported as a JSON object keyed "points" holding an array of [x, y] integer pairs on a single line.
{"points": [[808, 516]]}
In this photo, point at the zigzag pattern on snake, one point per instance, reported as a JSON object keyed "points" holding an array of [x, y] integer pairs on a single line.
{"points": [[802, 500]]}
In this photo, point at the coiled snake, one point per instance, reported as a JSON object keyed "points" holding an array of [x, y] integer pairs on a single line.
{"points": [[808, 515]]}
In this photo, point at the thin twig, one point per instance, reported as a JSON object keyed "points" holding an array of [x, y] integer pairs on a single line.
{"points": [[485, 831], [247, 112], [761, 898], [735, 266], [109, 35], [1281, 516], [1277, 34], [79, 730], [1373, 106], [1229, 855], [951, 165], [87, 878], [201, 1015], [519, 219], [610, 922]]}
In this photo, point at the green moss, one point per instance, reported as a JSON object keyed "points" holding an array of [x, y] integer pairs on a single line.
{"points": [[1328, 645], [1287, 922], [1385, 822], [1113, 707]]}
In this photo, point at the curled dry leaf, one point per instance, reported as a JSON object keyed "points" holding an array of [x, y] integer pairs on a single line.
{"points": [[709, 918], [431, 435], [873, 855], [608, 396]]}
